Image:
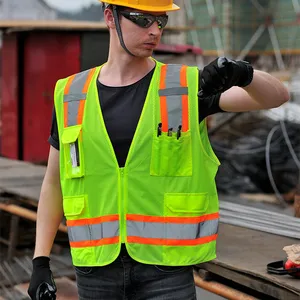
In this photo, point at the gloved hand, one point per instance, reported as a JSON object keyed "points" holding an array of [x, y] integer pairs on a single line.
{"points": [[42, 285], [223, 73]]}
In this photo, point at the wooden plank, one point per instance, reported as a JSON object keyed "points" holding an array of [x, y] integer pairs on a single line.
{"points": [[220, 289], [62, 25], [26, 213], [22, 172], [21, 178], [247, 252], [6, 162], [252, 282], [32, 192], [66, 289]]}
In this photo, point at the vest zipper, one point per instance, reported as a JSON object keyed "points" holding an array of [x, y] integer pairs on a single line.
{"points": [[122, 207]]}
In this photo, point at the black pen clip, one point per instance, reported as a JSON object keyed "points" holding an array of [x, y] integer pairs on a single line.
{"points": [[179, 132], [159, 129]]}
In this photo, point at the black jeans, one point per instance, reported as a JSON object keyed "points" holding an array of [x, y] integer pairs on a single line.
{"points": [[126, 279]]}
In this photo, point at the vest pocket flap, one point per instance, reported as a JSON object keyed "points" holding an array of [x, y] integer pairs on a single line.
{"points": [[185, 203], [73, 205], [71, 134]]}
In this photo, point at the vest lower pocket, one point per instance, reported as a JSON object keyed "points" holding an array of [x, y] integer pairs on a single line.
{"points": [[171, 156], [74, 206], [73, 151], [182, 204]]}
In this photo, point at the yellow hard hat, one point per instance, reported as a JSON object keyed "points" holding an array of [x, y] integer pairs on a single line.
{"points": [[146, 5]]}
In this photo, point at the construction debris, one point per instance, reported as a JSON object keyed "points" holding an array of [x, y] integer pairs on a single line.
{"points": [[293, 253]]}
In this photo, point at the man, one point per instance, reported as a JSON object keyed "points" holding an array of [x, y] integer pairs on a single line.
{"points": [[134, 176]]}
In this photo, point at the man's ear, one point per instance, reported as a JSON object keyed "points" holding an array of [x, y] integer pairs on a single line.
{"points": [[109, 18]]}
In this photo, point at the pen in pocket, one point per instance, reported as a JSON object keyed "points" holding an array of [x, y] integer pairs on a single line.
{"points": [[159, 129], [179, 132]]}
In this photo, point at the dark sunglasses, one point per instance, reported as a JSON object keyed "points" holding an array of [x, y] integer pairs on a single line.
{"points": [[145, 20]]}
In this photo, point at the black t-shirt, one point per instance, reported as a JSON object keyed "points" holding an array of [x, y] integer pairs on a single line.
{"points": [[121, 108]]}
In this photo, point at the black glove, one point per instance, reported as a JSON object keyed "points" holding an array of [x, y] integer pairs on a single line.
{"points": [[42, 285], [223, 73]]}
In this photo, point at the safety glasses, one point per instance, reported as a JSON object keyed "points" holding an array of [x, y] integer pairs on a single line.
{"points": [[145, 20]]}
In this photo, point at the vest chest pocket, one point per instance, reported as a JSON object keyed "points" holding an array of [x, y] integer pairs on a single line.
{"points": [[73, 151], [171, 156]]}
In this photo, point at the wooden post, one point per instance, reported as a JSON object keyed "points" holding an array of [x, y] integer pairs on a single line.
{"points": [[13, 236]]}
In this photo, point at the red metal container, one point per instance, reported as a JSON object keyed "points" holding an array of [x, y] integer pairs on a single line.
{"points": [[47, 57], [32, 61], [9, 98]]}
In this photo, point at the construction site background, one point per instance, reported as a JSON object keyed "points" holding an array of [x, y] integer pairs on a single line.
{"points": [[259, 151]]}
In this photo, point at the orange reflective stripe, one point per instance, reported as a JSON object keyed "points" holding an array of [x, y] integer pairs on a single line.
{"points": [[68, 85], [92, 221], [178, 220], [66, 106], [105, 241], [185, 100], [163, 99], [163, 75], [185, 113], [183, 78], [88, 81], [164, 113], [171, 242], [80, 112]]}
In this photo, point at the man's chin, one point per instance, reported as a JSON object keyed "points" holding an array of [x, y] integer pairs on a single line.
{"points": [[145, 54]]}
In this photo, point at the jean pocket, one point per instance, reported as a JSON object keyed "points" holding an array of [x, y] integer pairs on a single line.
{"points": [[84, 270], [73, 151], [171, 156], [171, 269]]}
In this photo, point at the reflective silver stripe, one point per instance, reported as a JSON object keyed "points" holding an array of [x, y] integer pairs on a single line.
{"points": [[73, 108], [79, 82], [174, 91], [171, 230], [173, 76], [93, 232], [75, 95]]}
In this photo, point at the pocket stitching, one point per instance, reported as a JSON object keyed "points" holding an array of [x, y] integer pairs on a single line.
{"points": [[168, 199], [80, 207]]}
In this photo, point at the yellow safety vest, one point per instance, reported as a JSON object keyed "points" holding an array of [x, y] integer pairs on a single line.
{"points": [[163, 204]]}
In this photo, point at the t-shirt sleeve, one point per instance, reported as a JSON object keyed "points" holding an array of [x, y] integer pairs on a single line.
{"points": [[208, 105], [54, 137]]}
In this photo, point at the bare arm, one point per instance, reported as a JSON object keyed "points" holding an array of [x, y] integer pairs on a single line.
{"points": [[264, 92], [50, 208]]}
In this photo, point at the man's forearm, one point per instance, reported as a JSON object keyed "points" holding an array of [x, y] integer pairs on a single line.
{"points": [[266, 90], [49, 216]]}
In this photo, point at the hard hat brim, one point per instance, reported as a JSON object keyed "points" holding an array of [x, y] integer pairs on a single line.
{"points": [[172, 7]]}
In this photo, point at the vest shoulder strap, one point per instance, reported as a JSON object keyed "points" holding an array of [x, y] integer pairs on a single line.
{"points": [[174, 100], [75, 93]]}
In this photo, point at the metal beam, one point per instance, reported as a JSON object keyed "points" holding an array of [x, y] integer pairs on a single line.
{"points": [[296, 6], [258, 6], [258, 33], [276, 47], [215, 30]]}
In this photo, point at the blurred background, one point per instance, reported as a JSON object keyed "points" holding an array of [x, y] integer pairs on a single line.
{"points": [[44, 40]]}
